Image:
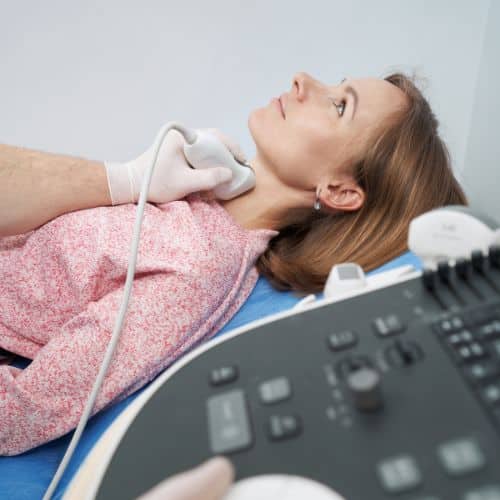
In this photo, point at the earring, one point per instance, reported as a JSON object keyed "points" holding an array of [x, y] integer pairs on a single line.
{"points": [[317, 203]]}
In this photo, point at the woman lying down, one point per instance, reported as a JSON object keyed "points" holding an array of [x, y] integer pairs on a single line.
{"points": [[341, 170]]}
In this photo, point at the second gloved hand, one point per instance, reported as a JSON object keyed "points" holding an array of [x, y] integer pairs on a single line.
{"points": [[209, 481], [172, 178]]}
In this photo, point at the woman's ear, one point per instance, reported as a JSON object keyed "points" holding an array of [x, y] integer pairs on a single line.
{"points": [[344, 196]]}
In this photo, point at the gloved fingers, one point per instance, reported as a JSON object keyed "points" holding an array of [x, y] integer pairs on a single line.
{"points": [[230, 144], [205, 179], [173, 141], [208, 481]]}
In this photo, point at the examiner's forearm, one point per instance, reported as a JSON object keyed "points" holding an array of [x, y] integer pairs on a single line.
{"points": [[36, 187]]}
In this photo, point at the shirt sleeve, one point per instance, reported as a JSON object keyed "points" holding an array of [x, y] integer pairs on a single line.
{"points": [[167, 314]]}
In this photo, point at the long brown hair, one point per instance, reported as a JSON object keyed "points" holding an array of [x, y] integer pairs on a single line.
{"points": [[405, 171]]}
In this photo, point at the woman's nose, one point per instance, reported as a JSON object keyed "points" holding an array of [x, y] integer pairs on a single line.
{"points": [[302, 83]]}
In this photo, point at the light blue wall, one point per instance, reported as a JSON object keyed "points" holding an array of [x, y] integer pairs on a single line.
{"points": [[98, 78], [481, 175]]}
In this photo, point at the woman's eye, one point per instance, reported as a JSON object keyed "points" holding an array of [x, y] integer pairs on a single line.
{"points": [[341, 105]]}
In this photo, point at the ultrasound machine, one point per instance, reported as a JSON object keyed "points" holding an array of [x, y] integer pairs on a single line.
{"points": [[388, 391]]}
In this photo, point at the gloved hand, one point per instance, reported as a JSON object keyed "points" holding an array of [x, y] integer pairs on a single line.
{"points": [[208, 481], [172, 178]]}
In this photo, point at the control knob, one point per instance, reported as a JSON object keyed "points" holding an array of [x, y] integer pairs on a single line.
{"points": [[364, 385]]}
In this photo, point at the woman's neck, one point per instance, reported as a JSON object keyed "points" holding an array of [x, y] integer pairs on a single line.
{"points": [[264, 206]]}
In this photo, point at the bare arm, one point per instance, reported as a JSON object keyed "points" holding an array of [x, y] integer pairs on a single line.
{"points": [[36, 187]]}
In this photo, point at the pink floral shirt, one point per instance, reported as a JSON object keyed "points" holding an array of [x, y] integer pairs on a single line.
{"points": [[61, 287]]}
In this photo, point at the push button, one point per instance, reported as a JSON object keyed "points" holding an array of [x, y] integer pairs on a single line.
{"points": [[490, 330], [228, 422], [482, 371], [399, 474], [491, 394], [462, 337], [223, 375], [342, 340], [275, 390], [461, 456], [401, 354], [489, 492], [388, 325], [470, 352], [450, 325], [284, 427]]}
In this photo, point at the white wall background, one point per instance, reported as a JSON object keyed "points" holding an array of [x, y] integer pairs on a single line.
{"points": [[481, 175], [98, 78]]}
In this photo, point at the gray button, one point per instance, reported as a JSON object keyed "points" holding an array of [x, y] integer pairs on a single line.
{"points": [[481, 371], [491, 394], [388, 325], [284, 426], [490, 492], [399, 473], [342, 340], [223, 375], [461, 456], [228, 422], [275, 390]]}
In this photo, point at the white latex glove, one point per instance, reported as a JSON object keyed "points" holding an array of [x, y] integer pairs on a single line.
{"points": [[172, 178], [208, 481]]}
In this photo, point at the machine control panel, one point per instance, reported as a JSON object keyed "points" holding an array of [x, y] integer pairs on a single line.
{"points": [[394, 393]]}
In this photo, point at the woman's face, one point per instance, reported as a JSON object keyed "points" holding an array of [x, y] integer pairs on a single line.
{"points": [[323, 129]]}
